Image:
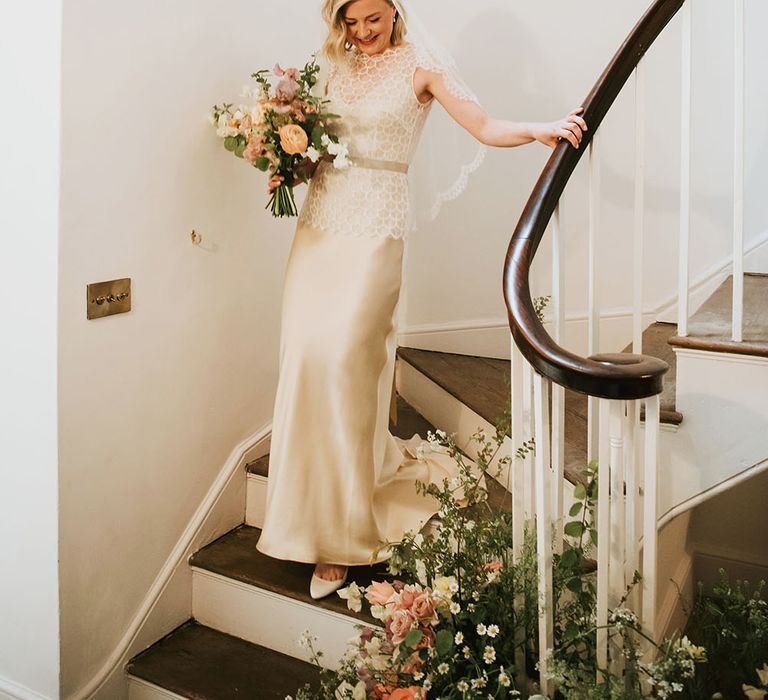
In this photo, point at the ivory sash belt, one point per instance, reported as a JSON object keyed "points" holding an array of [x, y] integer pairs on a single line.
{"points": [[375, 164]]}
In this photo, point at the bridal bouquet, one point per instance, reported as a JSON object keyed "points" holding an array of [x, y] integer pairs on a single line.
{"points": [[284, 131]]}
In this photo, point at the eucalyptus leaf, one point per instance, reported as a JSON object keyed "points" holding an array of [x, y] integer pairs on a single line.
{"points": [[444, 642], [262, 164], [230, 143], [413, 638], [574, 529]]}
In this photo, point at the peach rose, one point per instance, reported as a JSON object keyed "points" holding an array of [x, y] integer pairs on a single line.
{"points": [[379, 592], [400, 624], [406, 598], [424, 607], [411, 693], [293, 139]]}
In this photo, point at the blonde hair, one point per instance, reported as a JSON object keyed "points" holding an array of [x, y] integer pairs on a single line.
{"points": [[335, 46]]}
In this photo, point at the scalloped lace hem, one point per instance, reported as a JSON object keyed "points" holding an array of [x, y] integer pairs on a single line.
{"points": [[352, 233]]}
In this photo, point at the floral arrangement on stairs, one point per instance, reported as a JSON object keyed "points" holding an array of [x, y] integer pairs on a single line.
{"points": [[459, 617]]}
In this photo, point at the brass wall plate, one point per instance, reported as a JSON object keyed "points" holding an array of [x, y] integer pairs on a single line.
{"points": [[108, 298]]}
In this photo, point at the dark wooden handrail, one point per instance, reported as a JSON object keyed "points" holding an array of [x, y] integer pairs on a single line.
{"points": [[614, 376]]}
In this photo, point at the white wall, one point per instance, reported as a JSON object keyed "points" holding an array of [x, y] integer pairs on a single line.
{"points": [[30, 45], [153, 401], [536, 62]]}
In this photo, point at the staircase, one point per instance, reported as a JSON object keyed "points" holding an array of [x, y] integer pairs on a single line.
{"points": [[248, 610]]}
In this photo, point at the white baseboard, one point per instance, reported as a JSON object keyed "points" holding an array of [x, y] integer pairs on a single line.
{"points": [[10, 690], [168, 602]]}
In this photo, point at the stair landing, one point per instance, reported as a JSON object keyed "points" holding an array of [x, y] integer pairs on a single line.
{"points": [[710, 327]]}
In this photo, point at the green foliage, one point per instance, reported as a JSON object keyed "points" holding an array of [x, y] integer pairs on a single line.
{"points": [[731, 622]]}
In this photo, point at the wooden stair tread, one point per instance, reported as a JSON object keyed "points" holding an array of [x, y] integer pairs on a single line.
{"points": [[195, 661], [710, 327], [481, 384], [235, 556]]}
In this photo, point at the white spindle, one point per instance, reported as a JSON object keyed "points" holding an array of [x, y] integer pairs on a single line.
{"points": [[738, 174], [558, 392], [618, 512], [685, 174], [517, 471], [639, 221], [632, 540], [650, 496], [544, 528], [529, 426], [593, 343], [603, 532]]}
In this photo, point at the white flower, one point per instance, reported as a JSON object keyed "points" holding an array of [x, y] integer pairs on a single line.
{"points": [[306, 639], [455, 608], [427, 684], [353, 595], [418, 676], [493, 630], [313, 154], [482, 629], [479, 683], [469, 525], [421, 571], [762, 673], [504, 680], [453, 585], [359, 693], [471, 607], [324, 140], [443, 668], [212, 119], [467, 652], [489, 655], [459, 638], [380, 612], [462, 686]]}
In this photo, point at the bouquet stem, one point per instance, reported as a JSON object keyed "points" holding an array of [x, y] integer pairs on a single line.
{"points": [[282, 202]]}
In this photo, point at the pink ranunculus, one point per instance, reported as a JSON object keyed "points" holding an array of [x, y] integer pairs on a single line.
{"points": [[428, 637], [292, 73], [380, 592], [424, 607], [404, 601], [277, 70], [253, 150], [287, 90], [400, 624]]}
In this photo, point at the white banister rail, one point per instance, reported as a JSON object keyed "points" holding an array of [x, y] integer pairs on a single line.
{"points": [[593, 342], [558, 392], [738, 173]]}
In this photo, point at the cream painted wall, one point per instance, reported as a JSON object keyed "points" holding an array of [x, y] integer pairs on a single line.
{"points": [[152, 402], [505, 51], [30, 46]]}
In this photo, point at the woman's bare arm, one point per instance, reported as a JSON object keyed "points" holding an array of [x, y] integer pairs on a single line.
{"points": [[497, 132]]}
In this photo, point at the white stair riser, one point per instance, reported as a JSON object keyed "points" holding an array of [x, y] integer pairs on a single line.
{"points": [[269, 619], [255, 500], [724, 398], [448, 413], [139, 689]]}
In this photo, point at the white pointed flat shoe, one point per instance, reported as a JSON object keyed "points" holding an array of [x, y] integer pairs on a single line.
{"points": [[320, 587]]}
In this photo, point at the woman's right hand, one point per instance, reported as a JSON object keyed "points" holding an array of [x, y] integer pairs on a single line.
{"points": [[571, 127]]}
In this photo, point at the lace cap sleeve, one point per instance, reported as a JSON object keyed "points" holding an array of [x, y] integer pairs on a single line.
{"points": [[447, 69]]}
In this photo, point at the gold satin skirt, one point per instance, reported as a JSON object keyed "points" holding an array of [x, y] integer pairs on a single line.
{"points": [[339, 482]]}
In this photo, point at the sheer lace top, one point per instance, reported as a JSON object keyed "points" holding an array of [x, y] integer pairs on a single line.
{"points": [[381, 119]]}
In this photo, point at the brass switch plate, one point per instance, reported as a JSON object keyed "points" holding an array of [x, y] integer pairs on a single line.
{"points": [[108, 298]]}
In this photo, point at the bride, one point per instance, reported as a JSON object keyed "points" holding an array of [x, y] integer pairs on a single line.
{"points": [[339, 482]]}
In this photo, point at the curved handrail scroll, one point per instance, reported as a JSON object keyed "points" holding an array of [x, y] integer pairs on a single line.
{"points": [[615, 376]]}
